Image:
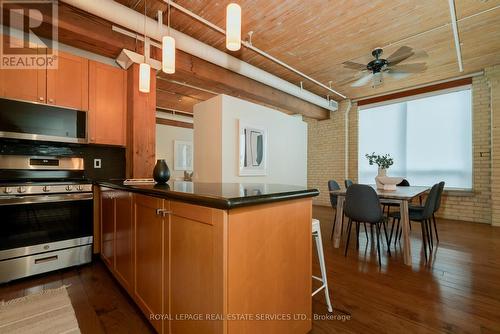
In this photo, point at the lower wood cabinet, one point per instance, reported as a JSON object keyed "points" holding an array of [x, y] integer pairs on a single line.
{"points": [[108, 226], [196, 278], [167, 255], [187, 270], [117, 234], [151, 235], [124, 239]]}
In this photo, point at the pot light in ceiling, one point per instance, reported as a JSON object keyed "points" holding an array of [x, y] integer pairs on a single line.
{"points": [[233, 27], [168, 49]]}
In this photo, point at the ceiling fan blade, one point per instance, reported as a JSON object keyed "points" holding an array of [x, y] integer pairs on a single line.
{"points": [[396, 75], [400, 54], [409, 68], [363, 80], [352, 78], [354, 66]]}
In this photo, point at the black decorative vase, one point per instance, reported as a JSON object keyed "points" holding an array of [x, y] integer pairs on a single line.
{"points": [[161, 173]]}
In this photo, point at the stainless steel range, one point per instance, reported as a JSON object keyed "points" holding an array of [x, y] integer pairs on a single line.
{"points": [[46, 215]]}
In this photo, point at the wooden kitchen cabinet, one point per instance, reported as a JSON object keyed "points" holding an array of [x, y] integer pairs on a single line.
{"points": [[25, 84], [195, 267], [108, 226], [65, 86], [68, 85], [107, 104], [151, 235], [124, 239]]}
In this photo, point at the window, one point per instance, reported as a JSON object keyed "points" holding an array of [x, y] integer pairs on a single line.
{"points": [[429, 137]]}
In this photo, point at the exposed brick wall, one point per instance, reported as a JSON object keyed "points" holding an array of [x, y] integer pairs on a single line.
{"points": [[326, 154], [493, 75]]}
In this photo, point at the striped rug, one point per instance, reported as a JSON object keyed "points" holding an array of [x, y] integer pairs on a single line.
{"points": [[49, 311]]}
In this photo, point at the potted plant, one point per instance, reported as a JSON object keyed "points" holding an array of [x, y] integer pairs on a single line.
{"points": [[382, 161]]}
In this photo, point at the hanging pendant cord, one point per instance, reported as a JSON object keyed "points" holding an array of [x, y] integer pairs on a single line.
{"points": [[168, 18], [144, 31]]}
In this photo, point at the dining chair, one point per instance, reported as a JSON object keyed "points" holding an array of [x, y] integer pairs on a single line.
{"points": [[388, 206], [421, 215], [333, 185], [362, 205], [348, 183], [436, 208]]}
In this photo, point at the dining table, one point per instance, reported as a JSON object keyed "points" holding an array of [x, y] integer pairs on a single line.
{"points": [[402, 196]]}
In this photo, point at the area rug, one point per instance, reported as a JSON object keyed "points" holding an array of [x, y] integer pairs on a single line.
{"points": [[49, 311]]}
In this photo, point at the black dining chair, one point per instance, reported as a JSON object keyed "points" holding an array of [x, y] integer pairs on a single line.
{"points": [[388, 206], [436, 208], [423, 216], [333, 185], [362, 205], [348, 183]]}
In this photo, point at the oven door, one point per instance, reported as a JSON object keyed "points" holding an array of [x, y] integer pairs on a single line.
{"points": [[40, 223]]}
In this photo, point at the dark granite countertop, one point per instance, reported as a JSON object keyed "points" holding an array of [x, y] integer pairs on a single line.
{"points": [[217, 195]]}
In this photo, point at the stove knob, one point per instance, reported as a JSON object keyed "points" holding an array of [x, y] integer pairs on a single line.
{"points": [[69, 188], [21, 190], [7, 190], [46, 189]]}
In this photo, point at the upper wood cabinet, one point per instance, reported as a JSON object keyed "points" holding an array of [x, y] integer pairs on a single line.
{"points": [[25, 84], [68, 85], [107, 104]]}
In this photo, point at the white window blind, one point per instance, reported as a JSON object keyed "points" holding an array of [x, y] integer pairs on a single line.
{"points": [[430, 139]]}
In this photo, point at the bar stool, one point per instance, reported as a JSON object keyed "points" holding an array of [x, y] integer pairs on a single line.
{"points": [[316, 233]]}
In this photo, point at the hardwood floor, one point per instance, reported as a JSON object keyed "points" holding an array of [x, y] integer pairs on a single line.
{"points": [[100, 304], [458, 292]]}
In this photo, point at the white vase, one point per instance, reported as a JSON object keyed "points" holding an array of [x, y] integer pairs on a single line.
{"points": [[381, 173]]}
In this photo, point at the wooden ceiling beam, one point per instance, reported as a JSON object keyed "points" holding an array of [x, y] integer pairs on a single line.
{"points": [[199, 72], [88, 32]]}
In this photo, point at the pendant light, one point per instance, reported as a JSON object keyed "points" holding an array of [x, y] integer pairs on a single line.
{"points": [[233, 27], [144, 68], [168, 49]]}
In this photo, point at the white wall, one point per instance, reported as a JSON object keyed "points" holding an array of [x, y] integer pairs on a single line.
{"points": [[165, 137], [216, 135]]}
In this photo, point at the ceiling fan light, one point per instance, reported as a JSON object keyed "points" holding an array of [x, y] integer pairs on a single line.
{"points": [[377, 79], [233, 27], [168, 55], [144, 77]]}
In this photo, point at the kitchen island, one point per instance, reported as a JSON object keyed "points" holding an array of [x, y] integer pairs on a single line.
{"points": [[208, 257]]}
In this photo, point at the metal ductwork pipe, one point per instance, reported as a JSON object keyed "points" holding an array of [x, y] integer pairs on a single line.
{"points": [[134, 21]]}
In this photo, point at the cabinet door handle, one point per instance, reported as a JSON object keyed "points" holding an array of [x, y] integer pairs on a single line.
{"points": [[51, 100], [162, 212], [41, 98]]}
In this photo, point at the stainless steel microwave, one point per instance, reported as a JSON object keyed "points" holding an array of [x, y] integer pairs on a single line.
{"points": [[34, 121]]}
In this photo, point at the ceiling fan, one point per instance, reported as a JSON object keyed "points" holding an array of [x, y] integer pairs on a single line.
{"points": [[379, 67]]}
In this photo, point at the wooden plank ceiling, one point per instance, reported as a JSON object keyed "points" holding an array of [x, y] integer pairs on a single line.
{"points": [[317, 36], [314, 36]]}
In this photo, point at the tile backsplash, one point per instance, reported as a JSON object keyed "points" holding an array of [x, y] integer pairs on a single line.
{"points": [[112, 158]]}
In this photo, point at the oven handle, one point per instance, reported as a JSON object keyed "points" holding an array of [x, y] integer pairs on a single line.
{"points": [[19, 200]]}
